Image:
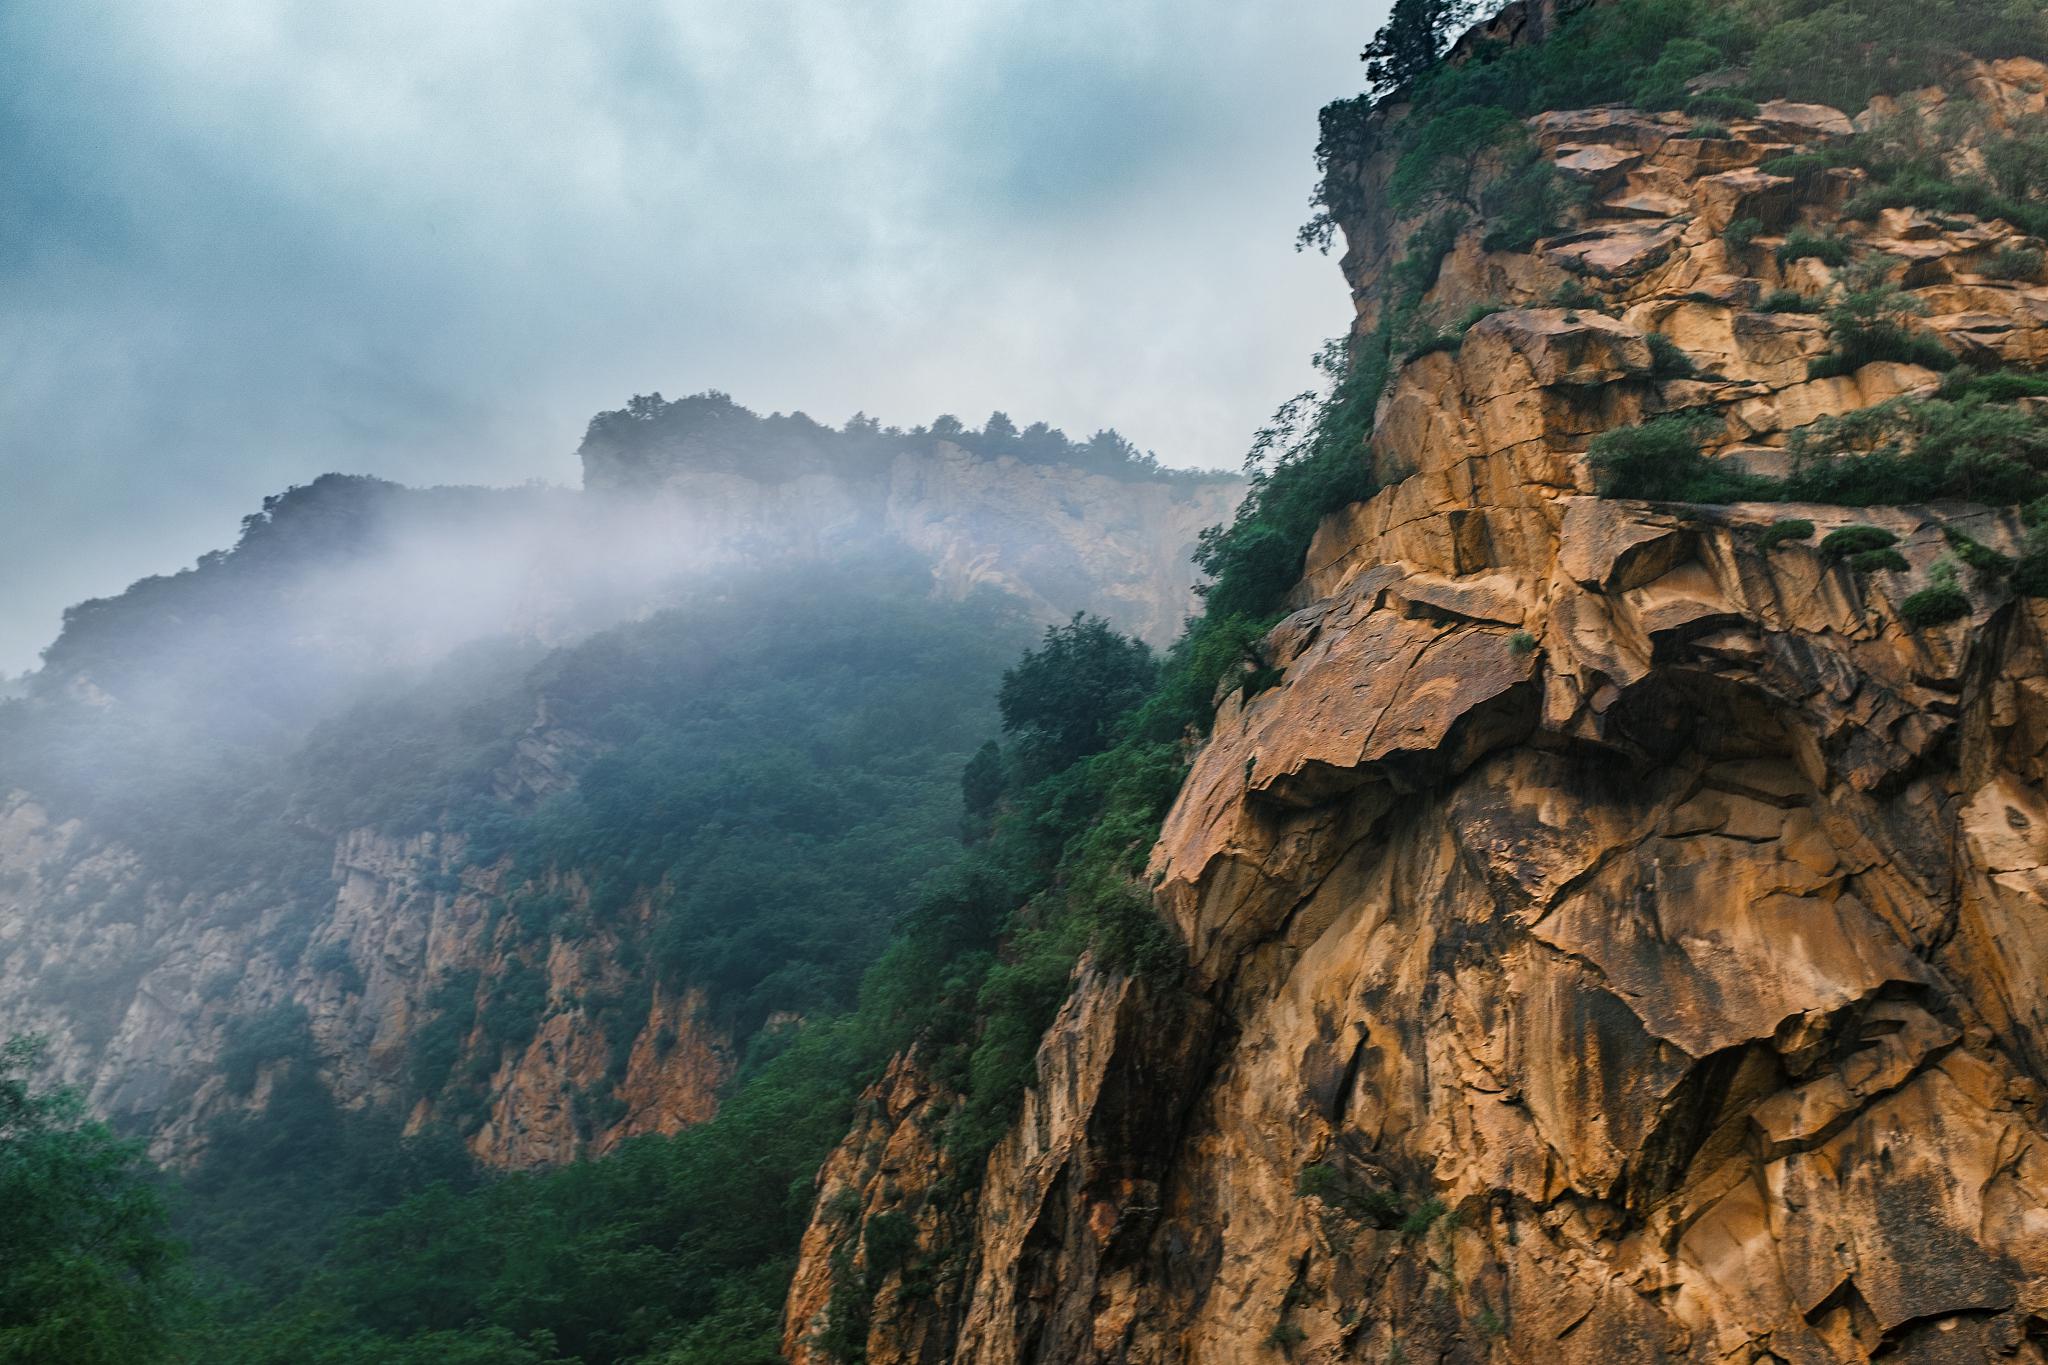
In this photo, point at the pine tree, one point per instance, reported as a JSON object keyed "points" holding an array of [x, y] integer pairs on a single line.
{"points": [[1409, 43]]}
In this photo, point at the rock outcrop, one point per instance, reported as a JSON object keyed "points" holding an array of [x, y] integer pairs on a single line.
{"points": [[1618, 936]]}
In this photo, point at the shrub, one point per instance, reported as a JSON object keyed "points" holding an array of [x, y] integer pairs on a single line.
{"points": [[1854, 540], [1719, 104], [1573, 293], [1917, 450], [2018, 161], [1661, 461], [1805, 170], [1870, 561], [1706, 130], [2013, 263], [1869, 320], [1784, 529], [254, 1041], [1931, 606], [1668, 359], [1987, 562], [1999, 386], [1788, 301], [1803, 245], [1531, 202], [1064, 699], [1521, 642], [1742, 233]]}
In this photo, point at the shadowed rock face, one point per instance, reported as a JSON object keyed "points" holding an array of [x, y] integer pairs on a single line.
{"points": [[1612, 940]]}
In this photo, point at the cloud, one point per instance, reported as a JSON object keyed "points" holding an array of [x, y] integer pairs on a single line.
{"points": [[245, 242]]}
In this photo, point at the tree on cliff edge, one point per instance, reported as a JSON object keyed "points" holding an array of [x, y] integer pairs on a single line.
{"points": [[1409, 43]]}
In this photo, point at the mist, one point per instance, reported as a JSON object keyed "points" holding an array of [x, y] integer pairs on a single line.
{"points": [[246, 245]]}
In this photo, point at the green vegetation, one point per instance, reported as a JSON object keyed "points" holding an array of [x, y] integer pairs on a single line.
{"points": [[2013, 263], [1803, 245], [1850, 541], [791, 754], [637, 446], [1782, 530], [1661, 461], [87, 1267], [1788, 301], [1938, 602], [1741, 234], [1644, 52], [1668, 359], [1869, 320], [1910, 450]]}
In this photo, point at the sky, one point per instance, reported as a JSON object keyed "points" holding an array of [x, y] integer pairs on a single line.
{"points": [[247, 242]]}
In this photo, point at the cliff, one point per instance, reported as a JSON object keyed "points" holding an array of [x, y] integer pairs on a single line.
{"points": [[239, 805], [1616, 935]]}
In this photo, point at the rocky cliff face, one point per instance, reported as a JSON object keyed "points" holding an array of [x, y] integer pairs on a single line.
{"points": [[1619, 935]]}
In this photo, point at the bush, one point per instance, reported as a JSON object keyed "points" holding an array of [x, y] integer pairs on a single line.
{"points": [[1869, 320], [1919, 450], [1668, 359], [1802, 244], [88, 1273], [1719, 104], [1661, 461], [254, 1041], [2013, 263], [1531, 202], [1704, 131], [1854, 540], [1987, 562], [1933, 605], [1742, 233], [1788, 301], [1782, 530], [1870, 561]]}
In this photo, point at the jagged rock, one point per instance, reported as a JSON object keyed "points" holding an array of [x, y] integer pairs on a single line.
{"points": [[1611, 941]]}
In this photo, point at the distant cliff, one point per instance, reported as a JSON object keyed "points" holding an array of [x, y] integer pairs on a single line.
{"points": [[240, 806], [1065, 526]]}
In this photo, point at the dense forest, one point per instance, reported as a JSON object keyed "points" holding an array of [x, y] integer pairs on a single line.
{"points": [[863, 820]]}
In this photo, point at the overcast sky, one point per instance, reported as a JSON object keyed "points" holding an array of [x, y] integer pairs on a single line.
{"points": [[245, 242]]}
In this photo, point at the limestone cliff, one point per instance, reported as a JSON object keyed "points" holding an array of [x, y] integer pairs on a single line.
{"points": [[1619, 935]]}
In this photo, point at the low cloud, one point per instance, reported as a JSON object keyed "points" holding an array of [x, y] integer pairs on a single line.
{"points": [[245, 243]]}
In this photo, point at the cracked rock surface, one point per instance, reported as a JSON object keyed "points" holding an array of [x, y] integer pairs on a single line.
{"points": [[1611, 940]]}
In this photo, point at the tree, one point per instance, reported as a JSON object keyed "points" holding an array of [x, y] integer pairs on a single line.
{"points": [[85, 1260], [1410, 42], [1063, 700]]}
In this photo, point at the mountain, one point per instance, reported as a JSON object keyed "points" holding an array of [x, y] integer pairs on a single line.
{"points": [[360, 793], [1572, 893], [1610, 930]]}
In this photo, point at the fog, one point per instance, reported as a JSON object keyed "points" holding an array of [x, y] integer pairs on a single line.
{"points": [[247, 243]]}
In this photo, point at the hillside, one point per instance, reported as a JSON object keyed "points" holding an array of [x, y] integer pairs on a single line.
{"points": [[332, 793]]}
